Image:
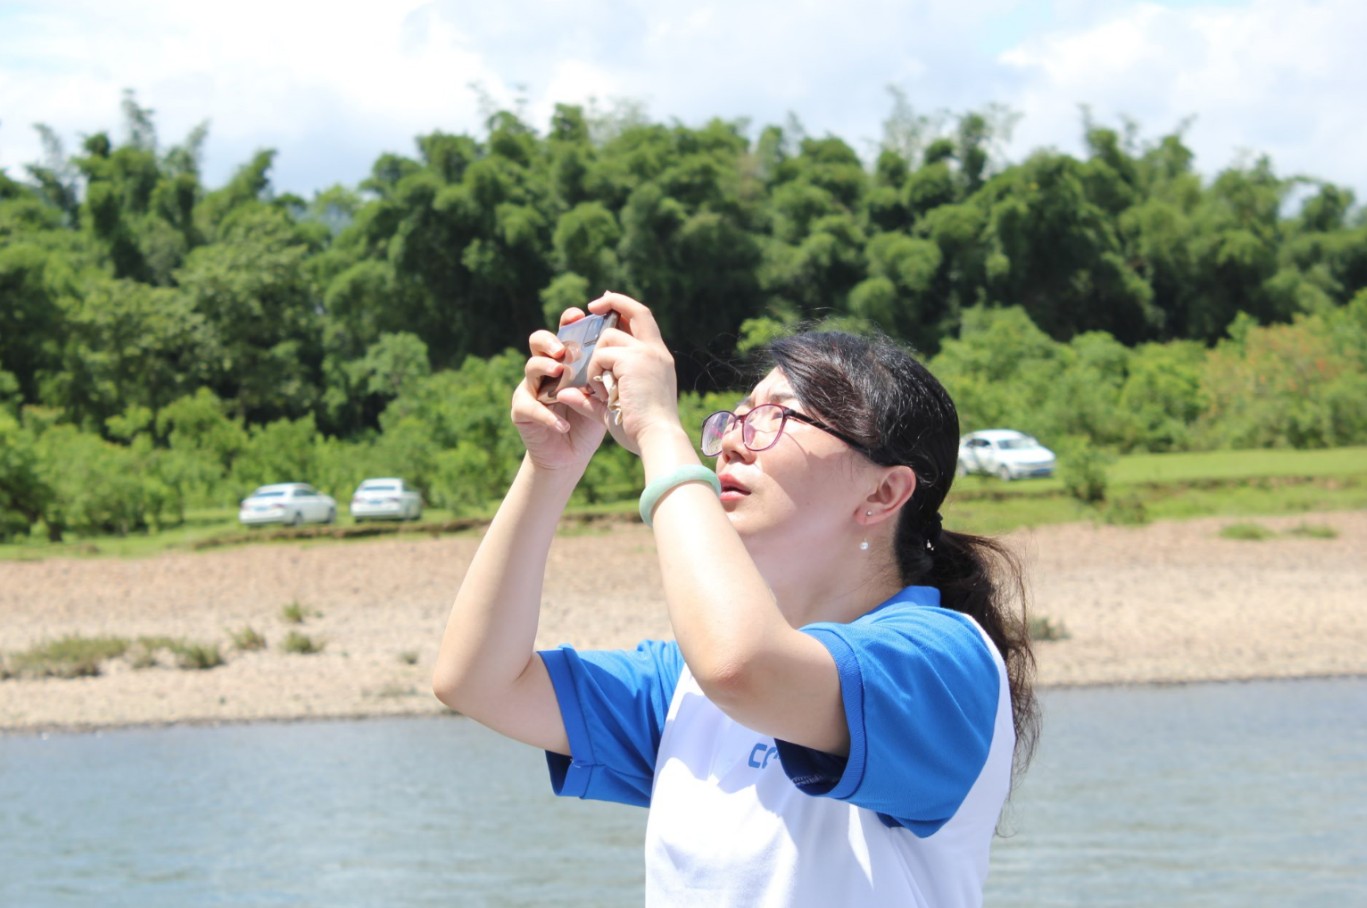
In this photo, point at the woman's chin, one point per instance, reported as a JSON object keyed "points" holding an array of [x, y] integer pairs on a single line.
{"points": [[738, 521]]}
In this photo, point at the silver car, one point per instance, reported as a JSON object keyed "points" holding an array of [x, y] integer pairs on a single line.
{"points": [[290, 503], [386, 499]]}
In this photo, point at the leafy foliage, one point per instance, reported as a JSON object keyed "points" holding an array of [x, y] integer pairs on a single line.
{"points": [[165, 345]]}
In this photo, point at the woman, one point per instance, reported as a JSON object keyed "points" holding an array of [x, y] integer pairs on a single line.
{"points": [[835, 721]]}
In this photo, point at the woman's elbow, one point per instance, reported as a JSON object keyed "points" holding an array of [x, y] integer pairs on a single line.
{"points": [[448, 688], [728, 684]]}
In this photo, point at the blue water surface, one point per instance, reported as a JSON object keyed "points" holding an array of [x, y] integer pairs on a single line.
{"points": [[1201, 795]]}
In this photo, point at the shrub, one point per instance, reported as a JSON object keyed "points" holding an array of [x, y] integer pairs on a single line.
{"points": [[1128, 510], [143, 651], [301, 644], [294, 613], [1042, 628], [281, 448], [69, 657], [1314, 531], [1253, 532], [24, 497], [101, 487], [248, 640], [197, 656], [1082, 470]]}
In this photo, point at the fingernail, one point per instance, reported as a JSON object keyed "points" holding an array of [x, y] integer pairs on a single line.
{"points": [[561, 426]]}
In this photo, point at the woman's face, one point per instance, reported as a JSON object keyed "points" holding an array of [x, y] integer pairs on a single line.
{"points": [[804, 493]]}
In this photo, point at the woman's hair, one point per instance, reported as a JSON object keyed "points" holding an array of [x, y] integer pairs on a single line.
{"points": [[875, 391]]}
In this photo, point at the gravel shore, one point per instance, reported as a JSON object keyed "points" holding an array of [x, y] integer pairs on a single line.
{"points": [[1164, 603]]}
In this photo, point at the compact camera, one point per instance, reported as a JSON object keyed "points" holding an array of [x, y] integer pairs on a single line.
{"points": [[580, 339]]}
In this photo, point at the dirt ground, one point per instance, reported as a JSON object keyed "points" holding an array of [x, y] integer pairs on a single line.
{"points": [[1169, 602]]}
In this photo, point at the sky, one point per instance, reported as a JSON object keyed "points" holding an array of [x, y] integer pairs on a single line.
{"points": [[331, 86]]}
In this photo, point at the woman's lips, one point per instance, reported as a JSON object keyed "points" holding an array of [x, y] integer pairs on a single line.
{"points": [[731, 489]]}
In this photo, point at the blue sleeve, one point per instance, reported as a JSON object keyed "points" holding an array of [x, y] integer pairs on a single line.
{"points": [[614, 704], [920, 688]]}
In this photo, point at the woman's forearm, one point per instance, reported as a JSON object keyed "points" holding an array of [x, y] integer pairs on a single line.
{"points": [[741, 649], [720, 607], [489, 642]]}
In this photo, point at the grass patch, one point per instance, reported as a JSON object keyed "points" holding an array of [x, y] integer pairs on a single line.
{"points": [[1313, 531], [987, 506], [248, 640], [1043, 629], [1125, 510], [197, 656], [301, 644], [144, 652], [69, 657], [1257, 532], [296, 613], [85, 657], [218, 527], [1234, 465], [1251, 532], [394, 691], [1139, 488]]}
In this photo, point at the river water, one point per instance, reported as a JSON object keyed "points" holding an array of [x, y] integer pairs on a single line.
{"points": [[1220, 795]]}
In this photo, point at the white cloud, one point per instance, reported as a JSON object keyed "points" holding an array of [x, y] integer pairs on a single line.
{"points": [[360, 78], [333, 86], [1276, 77]]}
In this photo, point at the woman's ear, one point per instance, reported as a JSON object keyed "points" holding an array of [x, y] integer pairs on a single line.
{"points": [[895, 486]]}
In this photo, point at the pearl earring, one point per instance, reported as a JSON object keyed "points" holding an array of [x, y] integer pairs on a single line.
{"points": [[864, 546]]}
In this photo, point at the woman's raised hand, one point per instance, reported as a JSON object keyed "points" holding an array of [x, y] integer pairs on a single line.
{"points": [[561, 435], [567, 432], [636, 355]]}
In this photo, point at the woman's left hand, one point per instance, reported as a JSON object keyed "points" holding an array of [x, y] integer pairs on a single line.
{"points": [[642, 367]]}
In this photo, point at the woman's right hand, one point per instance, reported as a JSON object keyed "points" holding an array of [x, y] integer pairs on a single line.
{"points": [[562, 435]]}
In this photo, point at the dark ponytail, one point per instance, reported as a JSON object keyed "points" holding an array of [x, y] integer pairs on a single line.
{"points": [[980, 577], [878, 393]]}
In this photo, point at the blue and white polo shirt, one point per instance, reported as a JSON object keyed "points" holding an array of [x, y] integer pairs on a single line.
{"points": [[740, 819]]}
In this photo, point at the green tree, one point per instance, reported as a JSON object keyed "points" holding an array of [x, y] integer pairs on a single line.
{"points": [[281, 451], [1285, 386], [1055, 253], [25, 496], [1234, 247], [1162, 396], [261, 314], [34, 282], [204, 443], [128, 344], [898, 294], [100, 487], [998, 369], [585, 240]]}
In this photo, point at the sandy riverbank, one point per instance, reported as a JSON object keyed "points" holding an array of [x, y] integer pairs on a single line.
{"points": [[1168, 602]]}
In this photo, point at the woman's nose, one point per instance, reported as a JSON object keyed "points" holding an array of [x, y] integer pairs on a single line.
{"points": [[733, 443]]}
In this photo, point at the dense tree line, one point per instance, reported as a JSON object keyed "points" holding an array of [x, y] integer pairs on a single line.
{"points": [[164, 344]]}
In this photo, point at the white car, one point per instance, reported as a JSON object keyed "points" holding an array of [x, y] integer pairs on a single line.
{"points": [[387, 498], [1004, 453], [290, 503]]}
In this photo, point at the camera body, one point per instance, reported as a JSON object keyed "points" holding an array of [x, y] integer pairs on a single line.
{"points": [[580, 339]]}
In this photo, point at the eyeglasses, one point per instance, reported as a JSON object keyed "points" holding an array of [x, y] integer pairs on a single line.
{"points": [[761, 428]]}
